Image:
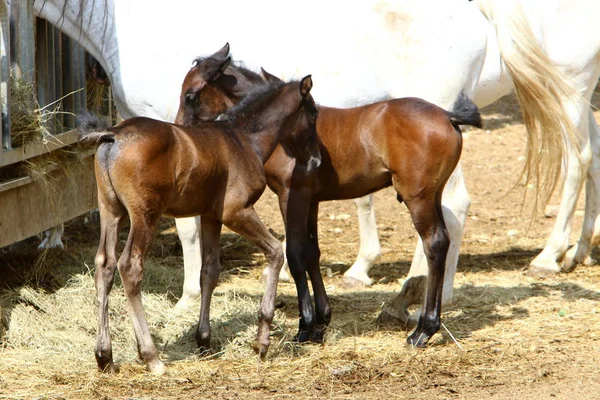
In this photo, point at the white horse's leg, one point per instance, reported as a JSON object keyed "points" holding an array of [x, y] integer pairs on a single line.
{"points": [[590, 232], [455, 202], [370, 249], [547, 261], [53, 238], [188, 230]]}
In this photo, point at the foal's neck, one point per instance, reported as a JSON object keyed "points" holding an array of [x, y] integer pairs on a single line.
{"points": [[263, 131]]}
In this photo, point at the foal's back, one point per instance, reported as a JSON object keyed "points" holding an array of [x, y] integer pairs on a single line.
{"points": [[180, 162], [367, 145]]}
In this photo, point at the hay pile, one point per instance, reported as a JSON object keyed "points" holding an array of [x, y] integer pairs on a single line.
{"points": [[512, 331]]}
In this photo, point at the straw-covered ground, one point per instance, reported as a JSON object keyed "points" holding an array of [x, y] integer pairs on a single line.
{"points": [[512, 336]]}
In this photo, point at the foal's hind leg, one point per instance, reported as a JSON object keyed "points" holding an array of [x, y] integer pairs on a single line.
{"points": [[247, 223], [211, 233], [111, 214], [423, 201], [455, 206], [426, 213], [131, 268]]}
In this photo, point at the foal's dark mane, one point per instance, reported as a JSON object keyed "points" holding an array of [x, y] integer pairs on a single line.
{"points": [[256, 99]]}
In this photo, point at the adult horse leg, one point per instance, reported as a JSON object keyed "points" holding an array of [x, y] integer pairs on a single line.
{"points": [[248, 224], [131, 268], [455, 206], [547, 261], [211, 234], [426, 213], [188, 230], [313, 256], [370, 249], [111, 214], [580, 253]]}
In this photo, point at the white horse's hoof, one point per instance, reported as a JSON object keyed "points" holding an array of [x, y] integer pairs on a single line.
{"points": [[186, 302], [543, 269], [356, 281]]}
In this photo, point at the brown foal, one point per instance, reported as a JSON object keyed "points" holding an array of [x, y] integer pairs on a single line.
{"points": [[147, 168], [408, 143]]}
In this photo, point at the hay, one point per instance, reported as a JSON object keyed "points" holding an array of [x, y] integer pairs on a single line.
{"points": [[26, 117]]}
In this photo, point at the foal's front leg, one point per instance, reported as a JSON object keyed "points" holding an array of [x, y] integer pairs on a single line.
{"points": [[296, 211], [247, 223], [313, 257]]}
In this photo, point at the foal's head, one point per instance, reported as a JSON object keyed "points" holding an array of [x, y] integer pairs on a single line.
{"points": [[212, 86]]}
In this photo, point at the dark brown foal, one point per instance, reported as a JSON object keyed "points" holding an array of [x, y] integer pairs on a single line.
{"points": [[147, 168], [408, 143]]}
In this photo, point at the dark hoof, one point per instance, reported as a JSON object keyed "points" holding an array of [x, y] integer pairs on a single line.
{"points": [[109, 368], [105, 363], [418, 339], [279, 304], [203, 342], [302, 336], [318, 334]]}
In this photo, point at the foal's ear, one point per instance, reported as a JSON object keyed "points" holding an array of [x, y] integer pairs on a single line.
{"points": [[216, 69], [305, 85], [269, 77], [224, 52]]}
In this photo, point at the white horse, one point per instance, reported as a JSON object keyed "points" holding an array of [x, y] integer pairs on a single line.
{"points": [[359, 52]]}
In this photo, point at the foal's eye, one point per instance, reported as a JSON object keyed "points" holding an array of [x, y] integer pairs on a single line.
{"points": [[190, 97]]}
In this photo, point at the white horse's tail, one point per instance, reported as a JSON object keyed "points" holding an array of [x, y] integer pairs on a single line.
{"points": [[540, 87]]}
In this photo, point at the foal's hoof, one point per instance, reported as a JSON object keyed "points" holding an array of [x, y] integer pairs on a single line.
{"points": [[260, 348], [394, 316], [203, 342], [302, 336], [156, 367], [109, 368], [418, 339], [318, 334]]}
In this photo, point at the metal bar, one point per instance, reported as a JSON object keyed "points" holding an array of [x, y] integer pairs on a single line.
{"points": [[5, 75]]}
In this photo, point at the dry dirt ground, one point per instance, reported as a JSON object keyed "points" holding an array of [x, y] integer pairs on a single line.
{"points": [[511, 336]]}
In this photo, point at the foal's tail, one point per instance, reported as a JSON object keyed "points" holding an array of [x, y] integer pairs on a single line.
{"points": [[91, 128], [464, 112]]}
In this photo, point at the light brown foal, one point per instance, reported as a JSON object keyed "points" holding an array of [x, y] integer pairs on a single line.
{"points": [[407, 143], [147, 168]]}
